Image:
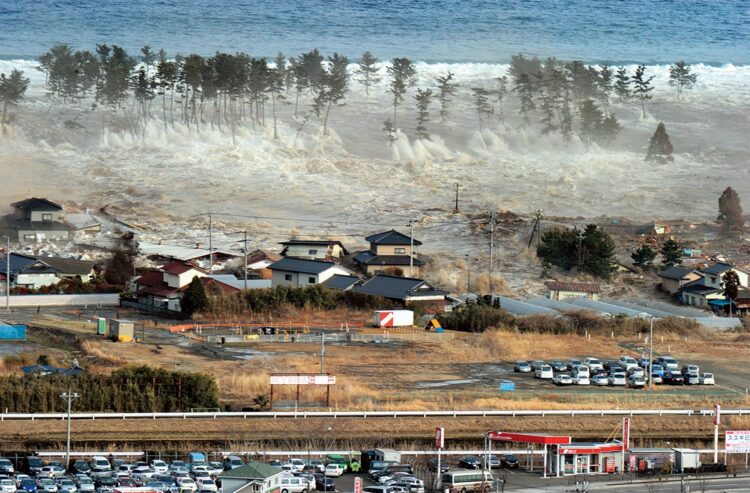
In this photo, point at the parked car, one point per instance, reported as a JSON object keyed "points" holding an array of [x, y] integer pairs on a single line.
{"points": [[6, 466], [334, 470], [324, 483], [126, 482], [581, 379], [509, 461], [600, 379], [581, 370], [628, 362], [297, 465], [28, 485], [309, 477], [611, 364], [65, 485], [657, 378], [207, 484], [46, 485], [34, 464], [411, 483], [691, 378], [708, 379], [690, 369], [317, 464], [536, 364], [674, 377], [159, 466], [572, 363], [618, 379], [667, 362], [637, 371], [522, 367], [81, 466], [643, 362], [105, 484], [233, 462], [558, 365], [562, 379], [7, 486], [470, 462], [593, 363], [176, 464], [545, 372], [158, 486], [657, 370], [187, 484], [636, 381], [493, 462], [99, 462], [52, 471], [85, 484]]}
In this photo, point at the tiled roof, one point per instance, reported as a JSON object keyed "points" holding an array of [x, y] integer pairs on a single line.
{"points": [[178, 268], [396, 287], [69, 265], [675, 272], [369, 258], [719, 268], [391, 237], [37, 204], [581, 287], [253, 470], [341, 282], [290, 264]]}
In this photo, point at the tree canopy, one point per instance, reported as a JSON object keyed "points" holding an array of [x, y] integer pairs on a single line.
{"points": [[591, 251]]}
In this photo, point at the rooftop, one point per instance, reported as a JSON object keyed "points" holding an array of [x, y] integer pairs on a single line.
{"points": [[396, 287], [580, 287], [37, 204], [341, 282], [719, 268], [69, 265], [290, 264], [253, 470], [391, 237], [369, 258], [675, 272], [177, 268]]}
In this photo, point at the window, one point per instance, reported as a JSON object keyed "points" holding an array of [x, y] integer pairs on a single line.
{"points": [[713, 280], [400, 251], [287, 277], [46, 217], [311, 280], [312, 252], [29, 237]]}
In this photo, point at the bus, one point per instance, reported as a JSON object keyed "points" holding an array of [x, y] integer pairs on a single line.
{"points": [[467, 481], [350, 461]]}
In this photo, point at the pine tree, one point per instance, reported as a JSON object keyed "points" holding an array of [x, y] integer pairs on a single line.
{"points": [[604, 85], [642, 86], [12, 89], [622, 84], [194, 300], [368, 72], [390, 132], [525, 90], [681, 77], [590, 117], [730, 284], [644, 256], [671, 253], [660, 148], [423, 98], [446, 90], [730, 210], [591, 250], [276, 79], [547, 108], [335, 83], [482, 104], [501, 90], [403, 75], [566, 118], [608, 130]]}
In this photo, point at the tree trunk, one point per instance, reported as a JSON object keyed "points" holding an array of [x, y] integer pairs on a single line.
{"points": [[325, 120], [296, 101], [643, 107]]}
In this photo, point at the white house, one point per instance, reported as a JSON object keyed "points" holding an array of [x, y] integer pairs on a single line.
{"points": [[561, 291], [314, 249], [714, 275], [300, 273]]}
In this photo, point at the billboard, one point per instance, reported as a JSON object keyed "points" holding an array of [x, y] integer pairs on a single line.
{"points": [[303, 380], [625, 433], [439, 437], [737, 442], [717, 414]]}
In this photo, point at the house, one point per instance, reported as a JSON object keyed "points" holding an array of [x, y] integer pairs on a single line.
{"points": [[28, 272], [696, 293], [561, 291], [69, 268], [390, 252], [405, 290], [164, 288], [674, 278], [344, 283], [714, 274], [314, 249], [258, 262], [37, 219], [299, 273], [742, 303], [253, 477], [162, 254]]}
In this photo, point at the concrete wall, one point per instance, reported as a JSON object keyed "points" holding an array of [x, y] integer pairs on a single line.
{"points": [[108, 299], [36, 280]]}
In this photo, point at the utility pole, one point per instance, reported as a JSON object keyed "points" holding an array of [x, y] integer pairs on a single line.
{"points": [[580, 250], [244, 255], [210, 245], [7, 275], [651, 354], [539, 227], [455, 209], [322, 351], [468, 273], [411, 246], [492, 246], [70, 397]]}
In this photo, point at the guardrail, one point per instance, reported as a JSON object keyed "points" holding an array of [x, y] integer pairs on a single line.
{"points": [[375, 414]]}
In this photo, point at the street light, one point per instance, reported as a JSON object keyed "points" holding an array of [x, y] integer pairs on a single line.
{"points": [[70, 397], [651, 354], [7, 274]]}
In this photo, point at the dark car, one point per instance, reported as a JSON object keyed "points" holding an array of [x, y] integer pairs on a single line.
{"points": [[444, 465], [558, 365], [81, 466], [34, 465], [612, 364], [105, 483], [522, 367], [470, 462], [323, 483], [509, 461], [28, 485], [125, 482], [674, 377]]}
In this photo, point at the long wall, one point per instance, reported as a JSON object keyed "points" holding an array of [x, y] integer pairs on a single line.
{"points": [[107, 299]]}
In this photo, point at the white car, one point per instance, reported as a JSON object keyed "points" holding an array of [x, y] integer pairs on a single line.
{"points": [[297, 465], [52, 472], [159, 466], [99, 462], [600, 379], [47, 485], [628, 362], [545, 372], [334, 470], [708, 379], [86, 485], [21, 478], [206, 484], [618, 379], [562, 379], [7, 486], [593, 363], [636, 381], [581, 370], [581, 380], [187, 484], [67, 486]]}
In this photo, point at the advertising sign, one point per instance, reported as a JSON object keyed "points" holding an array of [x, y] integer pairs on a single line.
{"points": [[439, 437], [358, 485], [717, 414], [737, 442], [625, 433], [303, 380]]}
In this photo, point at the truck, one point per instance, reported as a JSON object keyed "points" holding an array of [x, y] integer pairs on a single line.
{"points": [[197, 459], [393, 318]]}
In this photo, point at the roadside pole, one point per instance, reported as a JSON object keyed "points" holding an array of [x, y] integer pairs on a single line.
{"points": [[716, 420], [69, 397], [651, 354], [7, 276], [439, 445]]}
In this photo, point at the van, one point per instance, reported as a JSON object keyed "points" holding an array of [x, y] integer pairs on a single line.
{"points": [[101, 463], [232, 462], [293, 484], [581, 371], [667, 362], [627, 362]]}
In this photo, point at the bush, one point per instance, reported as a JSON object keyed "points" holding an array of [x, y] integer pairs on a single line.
{"points": [[475, 318]]}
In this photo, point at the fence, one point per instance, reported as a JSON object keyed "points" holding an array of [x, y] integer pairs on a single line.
{"points": [[84, 300], [386, 337]]}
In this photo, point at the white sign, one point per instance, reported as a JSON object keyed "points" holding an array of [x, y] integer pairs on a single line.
{"points": [[717, 414], [737, 442], [439, 437], [303, 380]]}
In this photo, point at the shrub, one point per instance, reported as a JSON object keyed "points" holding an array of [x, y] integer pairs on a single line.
{"points": [[475, 318]]}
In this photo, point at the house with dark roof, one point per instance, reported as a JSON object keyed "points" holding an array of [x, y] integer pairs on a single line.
{"points": [[37, 219], [258, 262], [697, 293], [253, 477], [343, 283], [390, 252], [314, 249], [28, 272], [405, 290], [560, 291], [714, 274], [299, 273], [70, 268], [675, 277]]}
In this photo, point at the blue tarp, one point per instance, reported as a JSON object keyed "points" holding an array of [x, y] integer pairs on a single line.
{"points": [[12, 332], [719, 302]]}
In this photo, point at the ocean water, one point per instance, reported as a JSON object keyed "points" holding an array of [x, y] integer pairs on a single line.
{"points": [[713, 32]]}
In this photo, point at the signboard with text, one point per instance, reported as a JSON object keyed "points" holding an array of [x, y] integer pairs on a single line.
{"points": [[357, 484], [625, 433], [303, 380], [717, 414], [737, 442]]}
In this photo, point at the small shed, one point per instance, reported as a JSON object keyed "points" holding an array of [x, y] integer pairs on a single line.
{"points": [[121, 330]]}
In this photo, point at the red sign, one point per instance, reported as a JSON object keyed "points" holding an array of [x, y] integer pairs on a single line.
{"points": [[595, 449], [610, 465], [717, 414], [358, 485], [504, 436], [439, 437], [625, 433], [632, 462]]}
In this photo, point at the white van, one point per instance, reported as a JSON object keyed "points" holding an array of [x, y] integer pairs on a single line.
{"points": [[581, 371], [293, 484], [99, 462]]}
